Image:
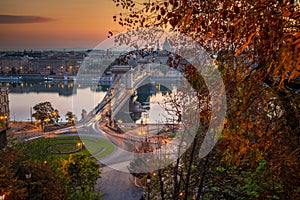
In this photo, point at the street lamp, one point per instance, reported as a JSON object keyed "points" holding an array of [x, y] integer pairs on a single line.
{"points": [[47, 120], [28, 177], [72, 120], [167, 129], [146, 119], [79, 144], [3, 128], [148, 179], [3, 117], [181, 194]]}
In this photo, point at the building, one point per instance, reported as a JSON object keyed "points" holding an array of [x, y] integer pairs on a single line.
{"points": [[4, 116], [43, 62], [166, 45]]}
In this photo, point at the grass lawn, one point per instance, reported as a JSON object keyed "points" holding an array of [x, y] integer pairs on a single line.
{"points": [[48, 149], [98, 147]]}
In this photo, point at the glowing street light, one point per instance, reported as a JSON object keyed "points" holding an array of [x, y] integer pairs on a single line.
{"points": [[148, 179], [3, 117], [79, 144], [3, 127], [47, 120]]}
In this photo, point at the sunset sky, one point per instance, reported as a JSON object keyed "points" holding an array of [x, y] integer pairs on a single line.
{"points": [[55, 24]]}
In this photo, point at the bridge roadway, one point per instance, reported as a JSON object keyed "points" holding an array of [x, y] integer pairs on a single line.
{"points": [[116, 91], [119, 93], [124, 95]]}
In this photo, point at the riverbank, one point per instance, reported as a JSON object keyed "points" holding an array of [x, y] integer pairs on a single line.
{"points": [[24, 130]]}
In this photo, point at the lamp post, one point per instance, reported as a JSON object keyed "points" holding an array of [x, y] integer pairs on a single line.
{"points": [[31, 115], [146, 119], [148, 185], [167, 129], [3, 128], [28, 177], [46, 121], [80, 145], [173, 131]]}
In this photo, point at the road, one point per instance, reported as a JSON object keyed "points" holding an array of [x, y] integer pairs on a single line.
{"points": [[117, 185], [114, 184]]}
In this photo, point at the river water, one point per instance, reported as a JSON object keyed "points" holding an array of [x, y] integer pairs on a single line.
{"points": [[23, 96], [22, 103]]}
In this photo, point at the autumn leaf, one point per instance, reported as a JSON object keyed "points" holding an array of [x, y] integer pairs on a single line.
{"points": [[249, 40]]}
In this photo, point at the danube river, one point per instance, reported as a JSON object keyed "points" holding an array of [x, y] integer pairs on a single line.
{"points": [[24, 96], [22, 103]]}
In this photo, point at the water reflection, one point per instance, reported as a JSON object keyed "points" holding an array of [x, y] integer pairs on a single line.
{"points": [[146, 99], [24, 95], [62, 88]]}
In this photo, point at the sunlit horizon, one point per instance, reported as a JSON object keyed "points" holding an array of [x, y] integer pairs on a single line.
{"points": [[55, 24]]}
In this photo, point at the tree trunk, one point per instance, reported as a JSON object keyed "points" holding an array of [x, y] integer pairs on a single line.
{"points": [[162, 194], [200, 187]]}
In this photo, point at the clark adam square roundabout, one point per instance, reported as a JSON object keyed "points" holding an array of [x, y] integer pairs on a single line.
{"points": [[147, 59]]}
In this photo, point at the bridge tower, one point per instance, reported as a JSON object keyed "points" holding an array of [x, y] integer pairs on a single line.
{"points": [[129, 79]]}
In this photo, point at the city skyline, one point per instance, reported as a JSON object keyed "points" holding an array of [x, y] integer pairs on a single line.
{"points": [[55, 24]]}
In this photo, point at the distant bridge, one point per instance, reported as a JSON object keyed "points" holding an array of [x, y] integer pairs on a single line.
{"points": [[127, 80]]}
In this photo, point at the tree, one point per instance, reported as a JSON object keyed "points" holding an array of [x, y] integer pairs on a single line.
{"points": [[70, 117], [45, 113], [81, 173], [42, 184], [37, 151], [257, 46]]}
